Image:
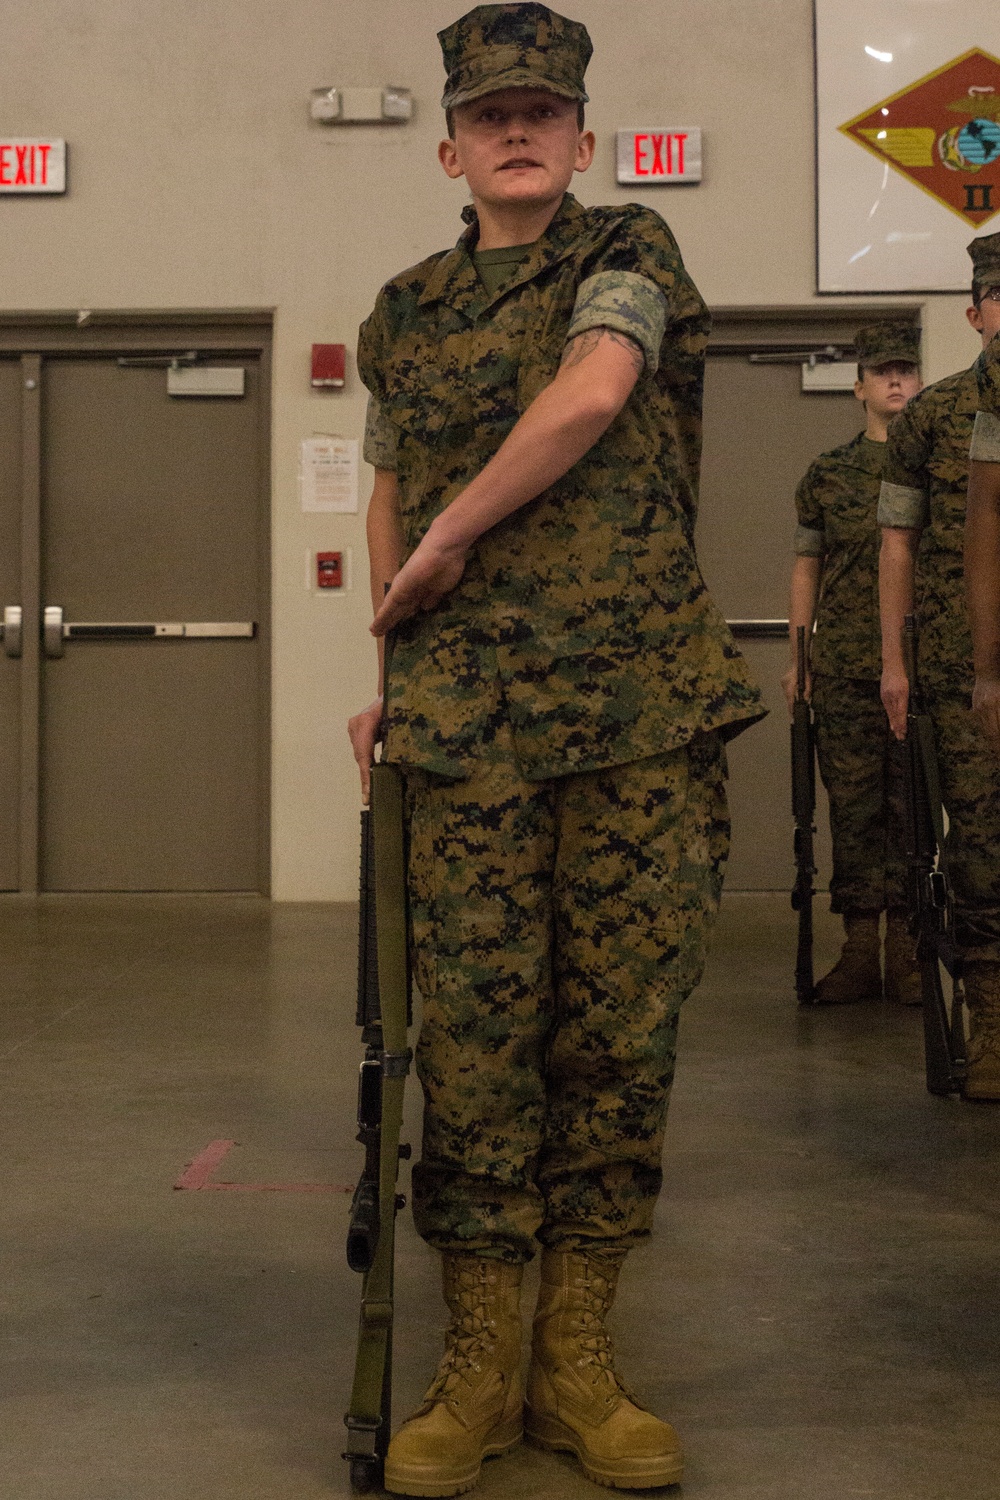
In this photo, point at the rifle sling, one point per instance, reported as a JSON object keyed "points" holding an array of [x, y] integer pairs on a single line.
{"points": [[364, 1418], [927, 751]]}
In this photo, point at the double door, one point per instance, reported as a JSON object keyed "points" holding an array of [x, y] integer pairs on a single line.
{"points": [[133, 587]]}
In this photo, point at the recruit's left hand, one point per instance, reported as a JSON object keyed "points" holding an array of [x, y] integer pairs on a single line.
{"points": [[422, 582], [895, 693]]}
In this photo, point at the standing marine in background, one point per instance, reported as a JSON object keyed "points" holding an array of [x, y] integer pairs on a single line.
{"points": [[561, 686], [982, 544], [835, 584], [922, 511]]}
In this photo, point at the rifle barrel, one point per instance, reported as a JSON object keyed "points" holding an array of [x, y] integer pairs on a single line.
{"points": [[803, 811]]}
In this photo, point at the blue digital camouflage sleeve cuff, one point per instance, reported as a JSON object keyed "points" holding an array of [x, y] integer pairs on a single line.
{"points": [[898, 505], [627, 303], [808, 543], [381, 437]]}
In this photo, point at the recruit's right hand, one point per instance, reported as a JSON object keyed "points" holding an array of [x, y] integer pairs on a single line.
{"points": [[986, 707], [896, 700], [790, 685], [364, 732]]}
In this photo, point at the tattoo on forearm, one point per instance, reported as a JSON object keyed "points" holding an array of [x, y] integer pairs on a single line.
{"points": [[578, 349]]}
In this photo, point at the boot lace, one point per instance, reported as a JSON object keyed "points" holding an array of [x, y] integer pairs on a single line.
{"points": [[592, 1337], [470, 1336]]}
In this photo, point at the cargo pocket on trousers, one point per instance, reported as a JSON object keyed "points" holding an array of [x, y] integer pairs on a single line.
{"points": [[705, 847]]}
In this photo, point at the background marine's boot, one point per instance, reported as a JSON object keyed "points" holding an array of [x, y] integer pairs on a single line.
{"points": [[576, 1401], [857, 974], [474, 1407], [982, 995], [902, 971]]}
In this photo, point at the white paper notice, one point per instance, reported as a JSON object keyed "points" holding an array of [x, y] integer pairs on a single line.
{"points": [[328, 474]]}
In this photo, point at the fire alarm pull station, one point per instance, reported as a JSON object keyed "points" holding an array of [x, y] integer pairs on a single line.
{"points": [[329, 570], [328, 362]]}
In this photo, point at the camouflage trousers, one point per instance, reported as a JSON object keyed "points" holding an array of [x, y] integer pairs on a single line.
{"points": [[970, 791], [557, 927], [862, 767]]}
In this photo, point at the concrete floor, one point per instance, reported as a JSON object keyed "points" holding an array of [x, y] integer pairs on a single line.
{"points": [[817, 1312]]}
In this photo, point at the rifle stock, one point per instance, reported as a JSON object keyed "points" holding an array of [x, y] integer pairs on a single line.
{"points": [[931, 911], [803, 811]]}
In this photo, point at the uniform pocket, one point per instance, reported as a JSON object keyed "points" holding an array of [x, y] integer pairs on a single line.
{"points": [[704, 850]]}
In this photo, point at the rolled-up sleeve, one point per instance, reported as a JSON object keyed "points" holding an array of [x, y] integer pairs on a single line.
{"points": [[986, 438], [808, 543], [904, 499], [627, 303], [381, 437], [987, 369], [899, 505], [810, 533], [632, 279]]}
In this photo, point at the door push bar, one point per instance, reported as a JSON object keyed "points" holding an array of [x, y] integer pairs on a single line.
{"points": [[759, 630], [12, 630], [56, 630]]}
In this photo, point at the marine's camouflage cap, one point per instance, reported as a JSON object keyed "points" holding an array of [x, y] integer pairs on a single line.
{"points": [[514, 46], [881, 343], [985, 252]]}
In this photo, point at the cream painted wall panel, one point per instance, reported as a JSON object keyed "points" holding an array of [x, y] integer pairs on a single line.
{"points": [[197, 180]]}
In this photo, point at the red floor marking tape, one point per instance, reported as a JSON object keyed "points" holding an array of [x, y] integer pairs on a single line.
{"points": [[199, 1171], [196, 1177]]}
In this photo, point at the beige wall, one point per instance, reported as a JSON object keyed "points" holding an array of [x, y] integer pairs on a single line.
{"points": [[197, 181]]}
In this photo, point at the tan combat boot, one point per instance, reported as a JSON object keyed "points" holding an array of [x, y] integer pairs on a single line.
{"points": [[902, 971], [575, 1400], [857, 974], [982, 994], [474, 1407]]}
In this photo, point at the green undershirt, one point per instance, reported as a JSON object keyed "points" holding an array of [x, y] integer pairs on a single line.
{"points": [[495, 267]]}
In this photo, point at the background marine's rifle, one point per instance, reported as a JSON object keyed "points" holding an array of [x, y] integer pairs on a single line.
{"points": [[803, 809], [383, 1014], [931, 909]]}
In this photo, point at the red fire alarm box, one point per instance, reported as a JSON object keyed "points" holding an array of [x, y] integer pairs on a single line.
{"points": [[328, 363], [329, 570]]}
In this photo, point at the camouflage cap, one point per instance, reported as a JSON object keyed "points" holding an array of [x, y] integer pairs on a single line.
{"points": [[882, 343], [985, 252], [514, 46]]}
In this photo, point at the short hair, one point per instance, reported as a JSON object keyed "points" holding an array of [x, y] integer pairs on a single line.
{"points": [[581, 119], [978, 292]]}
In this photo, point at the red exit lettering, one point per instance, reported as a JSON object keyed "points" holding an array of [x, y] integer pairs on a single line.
{"points": [[31, 166], [660, 155], [24, 166]]}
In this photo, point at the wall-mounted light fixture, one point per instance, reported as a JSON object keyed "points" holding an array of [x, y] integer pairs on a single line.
{"points": [[385, 106]]}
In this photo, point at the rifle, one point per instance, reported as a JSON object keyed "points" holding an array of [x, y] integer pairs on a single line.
{"points": [[803, 809], [384, 1014], [932, 920]]}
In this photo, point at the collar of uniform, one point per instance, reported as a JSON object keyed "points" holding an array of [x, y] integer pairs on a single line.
{"points": [[455, 280], [867, 453]]}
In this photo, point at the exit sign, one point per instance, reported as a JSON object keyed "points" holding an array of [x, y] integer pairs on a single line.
{"points": [[660, 156], [30, 165]]}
